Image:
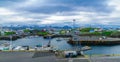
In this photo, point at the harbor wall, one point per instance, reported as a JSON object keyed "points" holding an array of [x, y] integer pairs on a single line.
{"points": [[82, 42]]}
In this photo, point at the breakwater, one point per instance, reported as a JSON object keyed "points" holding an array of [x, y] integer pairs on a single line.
{"points": [[94, 40], [54, 36], [14, 37]]}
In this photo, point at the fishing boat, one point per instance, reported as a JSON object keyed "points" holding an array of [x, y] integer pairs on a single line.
{"points": [[4, 46]]}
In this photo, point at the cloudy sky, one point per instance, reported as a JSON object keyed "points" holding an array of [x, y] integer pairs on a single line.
{"points": [[42, 12]]}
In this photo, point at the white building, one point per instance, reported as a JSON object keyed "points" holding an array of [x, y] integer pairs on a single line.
{"points": [[2, 33]]}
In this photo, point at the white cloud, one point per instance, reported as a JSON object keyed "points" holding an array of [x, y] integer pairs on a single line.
{"points": [[81, 17], [115, 4], [85, 16], [29, 3], [47, 22], [9, 16], [4, 11]]}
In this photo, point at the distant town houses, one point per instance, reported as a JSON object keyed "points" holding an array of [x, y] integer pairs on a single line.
{"points": [[60, 31], [19, 32], [5, 32], [2, 33], [55, 31], [98, 30], [118, 30]]}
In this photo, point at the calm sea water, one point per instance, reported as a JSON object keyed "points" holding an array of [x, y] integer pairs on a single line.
{"points": [[33, 41]]}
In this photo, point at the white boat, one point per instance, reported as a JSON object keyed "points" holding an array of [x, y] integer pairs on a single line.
{"points": [[86, 48], [1, 48], [4, 46], [43, 48], [58, 39]]}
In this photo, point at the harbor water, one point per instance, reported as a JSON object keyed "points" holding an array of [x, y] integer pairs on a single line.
{"points": [[62, 45]]}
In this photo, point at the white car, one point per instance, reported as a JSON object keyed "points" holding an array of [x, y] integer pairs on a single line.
{"points": [[18, 48]]}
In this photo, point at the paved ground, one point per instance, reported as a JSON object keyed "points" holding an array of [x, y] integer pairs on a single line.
{"points": [[48, 57], [42, 54], [24, 57], [33, 57], [105, 59]]}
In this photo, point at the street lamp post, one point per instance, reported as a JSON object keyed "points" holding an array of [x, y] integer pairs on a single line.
{"points": [[10, 42], [78, 43], [49, 43], [74, 23]]}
